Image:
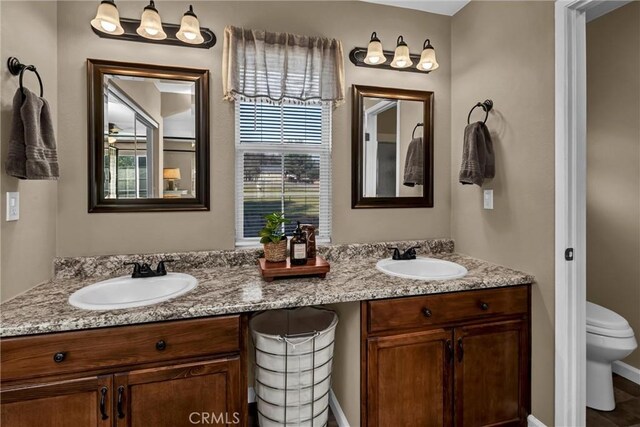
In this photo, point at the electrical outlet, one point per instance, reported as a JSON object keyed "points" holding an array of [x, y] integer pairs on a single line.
{"points": [[488, 199], [13, 206]]}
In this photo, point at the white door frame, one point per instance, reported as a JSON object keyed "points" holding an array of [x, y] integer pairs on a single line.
{"points": [[571, 166]]}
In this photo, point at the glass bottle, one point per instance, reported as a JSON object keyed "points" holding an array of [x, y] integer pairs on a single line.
{"points": [[298, 254]]}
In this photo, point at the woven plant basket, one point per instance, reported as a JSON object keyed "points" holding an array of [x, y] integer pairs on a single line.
{"points": [[276, 252]]}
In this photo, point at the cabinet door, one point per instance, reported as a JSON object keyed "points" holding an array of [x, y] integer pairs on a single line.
{"points": [[409, 379], [180, 395], [492, 374], [84, 402]]}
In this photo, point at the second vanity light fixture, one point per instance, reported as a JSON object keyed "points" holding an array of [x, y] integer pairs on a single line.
{"points": [[400, 59], [150, 28]]}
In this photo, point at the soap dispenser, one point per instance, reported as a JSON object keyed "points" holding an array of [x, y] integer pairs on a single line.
{"points": [[298, 255]]}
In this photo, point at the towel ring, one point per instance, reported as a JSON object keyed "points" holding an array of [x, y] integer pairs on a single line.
{"points": [[17, 68], [487, 106], [413, 134]]}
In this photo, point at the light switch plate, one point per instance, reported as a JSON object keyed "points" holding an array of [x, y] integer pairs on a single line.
{"points": [[488, 199], [13, 206]]}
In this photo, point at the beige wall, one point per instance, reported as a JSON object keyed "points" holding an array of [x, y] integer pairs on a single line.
{"points": [[505, 51], [613, 164], [28, 245], [351, 22]]}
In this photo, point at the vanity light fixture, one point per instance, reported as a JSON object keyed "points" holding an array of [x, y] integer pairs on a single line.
{"points": [[151, 24], [401, 59], [190, 28], [375, 55], [107, 18], [150, 29], [427, 58]]}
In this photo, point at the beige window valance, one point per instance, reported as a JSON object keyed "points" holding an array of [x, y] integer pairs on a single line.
{"points": [[276, 67]]}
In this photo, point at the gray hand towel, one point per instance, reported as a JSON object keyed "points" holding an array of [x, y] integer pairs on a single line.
{"points": [[414, 164], [478, 161], [32, 144]]}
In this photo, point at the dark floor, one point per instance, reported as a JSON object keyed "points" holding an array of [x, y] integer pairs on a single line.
{"points": [[253, 416], [627, 412]]}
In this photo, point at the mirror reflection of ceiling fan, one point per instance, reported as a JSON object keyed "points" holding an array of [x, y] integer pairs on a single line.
{"points": [[113, 130]]}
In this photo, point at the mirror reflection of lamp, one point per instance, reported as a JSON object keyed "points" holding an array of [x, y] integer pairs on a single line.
{"points": [[171, 175]]}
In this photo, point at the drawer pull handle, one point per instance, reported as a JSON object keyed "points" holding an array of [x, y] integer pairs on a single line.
{"points": [[119, 406], [59, 357], [484, 306], [426, 312], [460, 350], [161, 345], [103, 403]]}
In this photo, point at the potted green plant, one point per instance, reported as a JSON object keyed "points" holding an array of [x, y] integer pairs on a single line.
{"points": [[273, 238]]}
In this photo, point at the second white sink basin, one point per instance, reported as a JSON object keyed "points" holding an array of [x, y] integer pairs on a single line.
{"points": [[422, 269], [125, 292]]}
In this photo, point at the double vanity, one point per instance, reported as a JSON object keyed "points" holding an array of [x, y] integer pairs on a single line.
{"points": [[432, 352]]}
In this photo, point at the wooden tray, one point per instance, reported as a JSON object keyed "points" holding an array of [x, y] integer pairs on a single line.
{"points": [[314, 267]]}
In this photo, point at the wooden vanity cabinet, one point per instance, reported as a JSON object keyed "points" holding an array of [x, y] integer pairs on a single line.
{"points": [[172, 374], [455, 359]]}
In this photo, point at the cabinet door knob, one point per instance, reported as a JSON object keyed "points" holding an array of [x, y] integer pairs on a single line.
{"points": [[59, 357], [426, 312], [161, 345], [484, 306]]}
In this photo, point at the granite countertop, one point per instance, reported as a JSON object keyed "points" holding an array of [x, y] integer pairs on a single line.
{"points": [[233, 288]]}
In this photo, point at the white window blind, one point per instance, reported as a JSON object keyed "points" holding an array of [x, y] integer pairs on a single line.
{"points": [[283, 164]]}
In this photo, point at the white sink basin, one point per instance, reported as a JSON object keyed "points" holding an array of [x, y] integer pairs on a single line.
{"points": [[422, 269], [125, 292]]}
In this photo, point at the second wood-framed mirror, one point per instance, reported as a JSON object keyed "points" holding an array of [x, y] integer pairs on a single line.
{"points": [[392, 148], [148, 137]]}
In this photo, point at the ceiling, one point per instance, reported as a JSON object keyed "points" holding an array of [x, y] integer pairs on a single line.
{"points": [[441, 7]]}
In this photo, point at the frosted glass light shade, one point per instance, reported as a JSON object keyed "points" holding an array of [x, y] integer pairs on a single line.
{"points": [[375, 55], [107, 19], [190, 28], [428, 60], [151, 24], [401, 59]]}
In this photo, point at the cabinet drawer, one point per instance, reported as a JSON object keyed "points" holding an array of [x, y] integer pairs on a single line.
{"points": [[80, 351], [415, 312]]}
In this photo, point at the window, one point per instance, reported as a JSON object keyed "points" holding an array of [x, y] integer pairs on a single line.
{"points": [[132, 177], [283, 164]]}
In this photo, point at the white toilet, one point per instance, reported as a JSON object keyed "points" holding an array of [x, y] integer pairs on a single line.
{"points": [[609, 338]]}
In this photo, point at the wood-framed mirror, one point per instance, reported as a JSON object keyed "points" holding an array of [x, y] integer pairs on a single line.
{"points": [[148, 137], [392, 148]]}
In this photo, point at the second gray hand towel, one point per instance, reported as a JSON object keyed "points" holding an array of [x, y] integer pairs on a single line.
{"points": [[413, 167], [478, 161]]}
